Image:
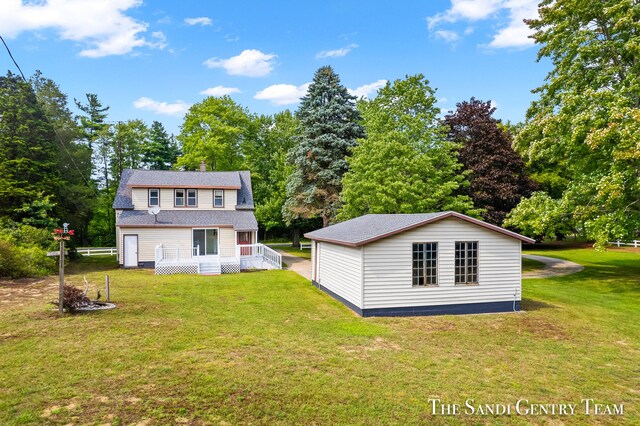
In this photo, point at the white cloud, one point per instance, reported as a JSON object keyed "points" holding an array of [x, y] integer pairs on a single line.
{"points": [[282, 94], [231, 38], [101, 26], [448, 36], [177, 108], [368, 89], [472, 10], [203, 20], [343, 51], [220, 91], [249, 63], [514, 32]]}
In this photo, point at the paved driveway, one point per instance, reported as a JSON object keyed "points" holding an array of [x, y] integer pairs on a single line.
{"points": [[296, 264], [553, 267]]}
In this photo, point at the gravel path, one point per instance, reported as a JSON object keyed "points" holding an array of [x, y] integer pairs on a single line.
{"points": [[296, 264], [553, 267]]}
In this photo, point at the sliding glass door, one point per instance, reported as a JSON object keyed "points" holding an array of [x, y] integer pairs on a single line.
{"points": [[205, 241]]}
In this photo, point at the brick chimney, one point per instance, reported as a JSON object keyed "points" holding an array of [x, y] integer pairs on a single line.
{"points": [[203, 166]]}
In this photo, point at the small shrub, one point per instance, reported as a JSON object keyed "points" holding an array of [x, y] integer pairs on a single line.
{"points": [[73, 299], [18, 262]]}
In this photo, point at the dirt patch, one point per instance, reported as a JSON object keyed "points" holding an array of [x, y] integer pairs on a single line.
{"points": [[26, 289], [541, 328], [378, 344]]}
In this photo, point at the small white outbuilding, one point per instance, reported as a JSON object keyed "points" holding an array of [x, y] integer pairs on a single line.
{"points": [[419, 264]]}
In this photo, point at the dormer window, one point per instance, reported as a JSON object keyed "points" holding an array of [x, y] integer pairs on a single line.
{"points": [[154, 197], [218, 198], [179, 201], [192, 198]]}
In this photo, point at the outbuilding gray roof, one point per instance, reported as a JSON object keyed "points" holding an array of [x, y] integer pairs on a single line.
{"points": [[243, 220], [240, 180], [373, 227]]}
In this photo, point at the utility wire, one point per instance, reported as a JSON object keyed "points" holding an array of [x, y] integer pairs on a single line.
{"points": [[12, 58], [58, 138]]}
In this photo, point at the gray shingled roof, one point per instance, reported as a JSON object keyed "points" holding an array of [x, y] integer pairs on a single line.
{"points": [[151, 178], [245, 195], [372, 227], [123, 194], [184, 179], [240, 220]]}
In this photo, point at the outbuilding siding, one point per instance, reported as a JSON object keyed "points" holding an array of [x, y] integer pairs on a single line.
{"points": [[339, 270], [387, 267]]}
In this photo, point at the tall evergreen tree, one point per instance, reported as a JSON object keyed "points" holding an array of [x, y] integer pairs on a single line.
{"points": [[94, 122], [28, 154], [75, 196], [161, 150], [497, 181], [329, 127], [405, 165]]}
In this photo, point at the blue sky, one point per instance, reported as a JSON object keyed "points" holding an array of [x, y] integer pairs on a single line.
{"points": [[152, 59]]}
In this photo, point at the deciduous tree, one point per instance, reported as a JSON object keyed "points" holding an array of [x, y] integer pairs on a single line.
{"points": [[586, 121], [497, 180], [405, 165], [214, 130]]}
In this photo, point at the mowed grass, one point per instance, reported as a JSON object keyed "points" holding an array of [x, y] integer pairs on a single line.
{"points": [[305, 254], [531, 265], [268, 348]]}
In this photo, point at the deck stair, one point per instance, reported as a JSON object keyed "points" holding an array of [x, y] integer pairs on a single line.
{"points": [[210, 268]]}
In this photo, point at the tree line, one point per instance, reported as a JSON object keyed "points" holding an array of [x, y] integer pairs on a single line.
{"points": [[572, 167]]}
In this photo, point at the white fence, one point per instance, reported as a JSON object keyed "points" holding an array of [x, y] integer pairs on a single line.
{"points": [[634, 243], [175, 254], [97, 251]]}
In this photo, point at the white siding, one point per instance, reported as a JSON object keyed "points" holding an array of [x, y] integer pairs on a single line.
{"points": [[387, 267], [227, 239], [339, 270], [149, 238], [139, 198]]}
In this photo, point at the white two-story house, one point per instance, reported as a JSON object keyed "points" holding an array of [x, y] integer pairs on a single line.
{"points": [[188, 222]]}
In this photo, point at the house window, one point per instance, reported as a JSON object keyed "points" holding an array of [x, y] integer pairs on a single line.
{"points": [[466, 269], [154, 197], [425, 264], [192, 198], [179, 198], [218, 198]]}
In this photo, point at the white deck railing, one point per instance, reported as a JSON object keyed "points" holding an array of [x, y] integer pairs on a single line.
{"points": [[174, 254], [168, 254], [260, 250]]}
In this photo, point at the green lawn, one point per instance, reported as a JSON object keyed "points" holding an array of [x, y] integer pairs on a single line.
{"points": [[531, 265], [267, 348], [305, 254]]}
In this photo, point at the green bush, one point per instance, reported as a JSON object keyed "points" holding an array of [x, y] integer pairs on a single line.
{"points": [[23, 252]]}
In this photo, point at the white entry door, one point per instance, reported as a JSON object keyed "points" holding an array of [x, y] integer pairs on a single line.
{"points": [[131, 251]]}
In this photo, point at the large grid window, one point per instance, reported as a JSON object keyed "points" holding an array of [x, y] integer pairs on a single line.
{"points": [[425, 264], [154, 197], [466, 262]]}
